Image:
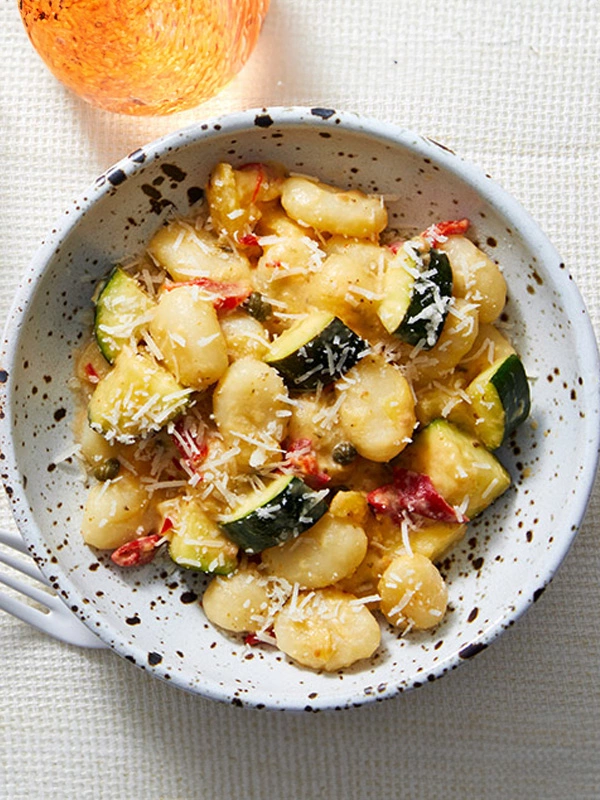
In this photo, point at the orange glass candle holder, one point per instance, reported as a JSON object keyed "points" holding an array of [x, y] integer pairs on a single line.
{"points": [[144, 56]]}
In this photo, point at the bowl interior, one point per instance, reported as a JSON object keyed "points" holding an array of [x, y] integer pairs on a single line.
{"points": [[151, 615]]}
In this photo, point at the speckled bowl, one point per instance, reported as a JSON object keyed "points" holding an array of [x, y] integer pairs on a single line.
{"points": [[151, 617]]}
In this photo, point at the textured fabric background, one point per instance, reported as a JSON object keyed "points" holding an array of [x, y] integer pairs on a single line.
{"points": [[513, 85]]}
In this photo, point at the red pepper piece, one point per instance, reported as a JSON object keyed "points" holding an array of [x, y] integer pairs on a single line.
{"points": [[396, 246], [193, 448], [135, 554], [91, 373], [225, 295], [260, 169], [438, 233], [301, 457], [166, 526], [253, 640], [248, 240], [413, 493], [190, 441]]}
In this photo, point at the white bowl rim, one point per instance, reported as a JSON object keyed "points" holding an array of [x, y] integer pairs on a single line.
{"points": [[521, 222]]}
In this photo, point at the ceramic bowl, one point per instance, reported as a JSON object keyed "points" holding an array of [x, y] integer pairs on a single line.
{"points": [[151, 616]]}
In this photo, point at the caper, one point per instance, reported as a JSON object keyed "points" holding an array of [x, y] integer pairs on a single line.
{"points": [[108, 470], [344, 453], [258, 307]]}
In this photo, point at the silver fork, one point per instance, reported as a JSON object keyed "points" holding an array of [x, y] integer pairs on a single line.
{"points": [[56, 620]]}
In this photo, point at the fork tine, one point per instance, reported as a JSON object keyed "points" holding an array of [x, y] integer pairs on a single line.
{"points": [[54, 623], [13, 540], [27, 567], [56, 620], [39, 595]]}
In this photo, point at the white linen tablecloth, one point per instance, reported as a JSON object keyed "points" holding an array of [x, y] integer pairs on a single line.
{"points": [[513, 86]]}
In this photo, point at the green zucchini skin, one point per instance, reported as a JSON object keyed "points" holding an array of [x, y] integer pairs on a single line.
{"points": [[202, 557], [501, 401], [323, 358], [135, 380], [197, 543], [510, 381], [429, 303], [121, 303], [258, 307], [458, 465], [276, 517]]}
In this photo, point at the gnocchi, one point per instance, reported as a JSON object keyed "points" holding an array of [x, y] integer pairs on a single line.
{"points": [[115, 512], [346, 213], [188, 335], [238, 602], [301, 404], [326, 630], [413, 592], [328, 552], [378, 410], [247, 406]]}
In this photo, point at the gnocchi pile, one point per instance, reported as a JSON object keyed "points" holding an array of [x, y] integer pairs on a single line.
{"points": [[288, 396]]}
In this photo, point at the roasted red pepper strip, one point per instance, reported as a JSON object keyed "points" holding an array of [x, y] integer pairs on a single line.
{"points": [[413, 493], [166, 526], [301, 457], [192, 448], [226, 295], [438, 233], [260, 168], [91, 373], [136, 553], [248, 240], [253, 640]]}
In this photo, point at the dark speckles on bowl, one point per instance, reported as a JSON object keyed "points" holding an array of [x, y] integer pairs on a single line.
{"points": [[116, 176], [471, 650], [323, 113], [263, 121], [143, 616]]}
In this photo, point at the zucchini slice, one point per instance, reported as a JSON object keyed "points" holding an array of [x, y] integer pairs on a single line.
{"points": [[285, 509], [417, 298], [197, 542], [136, 397], [459, 466], [317, 350], [121, 308], [435, 539], [399, 281], [500, 400]]}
